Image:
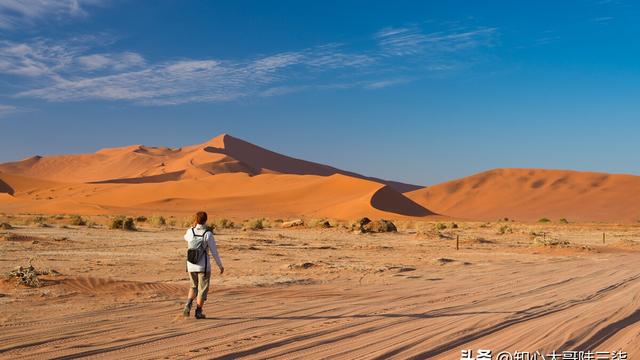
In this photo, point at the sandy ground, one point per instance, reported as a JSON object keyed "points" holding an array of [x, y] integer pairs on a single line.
{"points": [[324, 293]]}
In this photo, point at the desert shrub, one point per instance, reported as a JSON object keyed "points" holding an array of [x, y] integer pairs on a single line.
{"points": [[116, 223], [454, 225], [218, 224], [28, 275], [563, 221], [92, 224], [380, 226], [292, 223], [441, 226], [122, 223], [505, 229], [77, 220], [544, 220], [184, 222], [157, 221], [548, 241], [39, 220], [321, 223], [253, 224], [129, 224], [57, 217], [6, 226], [141, 219], [359, 224]]}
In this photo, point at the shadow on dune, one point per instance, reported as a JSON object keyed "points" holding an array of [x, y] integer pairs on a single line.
{"points": [[389, 200], [172, 176], [265, 160], [5, 188]]}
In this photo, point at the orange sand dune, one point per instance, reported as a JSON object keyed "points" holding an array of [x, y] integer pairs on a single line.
{"points": [[234, 194], [530, 194], [142, 164], [227, 176]]}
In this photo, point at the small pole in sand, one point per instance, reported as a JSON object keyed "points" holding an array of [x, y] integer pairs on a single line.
{"points": [[457, 242], [603, 237]]}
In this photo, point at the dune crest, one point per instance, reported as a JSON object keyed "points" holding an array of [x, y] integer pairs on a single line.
{"points": [[530, 194], [225, 175]]}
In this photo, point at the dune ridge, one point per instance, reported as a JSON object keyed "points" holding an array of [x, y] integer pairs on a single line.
{"points": [[225, 176], [231, 177], [531, 194]]}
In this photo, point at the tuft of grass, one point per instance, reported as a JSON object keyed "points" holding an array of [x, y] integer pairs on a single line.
{"points": [[563, 221], [223, 223], [292, 223], [129, 224], [253, 224], [157, 221], [441, 226], [505, 229], [122, 223], [544, 220], [39, 221], [28, 275], [548, 241], [77, 220], [321, 223], [359, 225], [380, 226]]}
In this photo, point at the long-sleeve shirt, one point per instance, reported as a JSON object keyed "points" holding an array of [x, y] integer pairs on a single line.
{"points": [[211, 246]]}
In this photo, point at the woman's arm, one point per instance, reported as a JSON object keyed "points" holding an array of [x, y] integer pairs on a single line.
{"points": [[214, 251]]}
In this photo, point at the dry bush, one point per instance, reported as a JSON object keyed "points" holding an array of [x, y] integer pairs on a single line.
{"points": [[77, 220], [379, 226], [6, 226], [141, 219], [292, 223], [218, 224], [544, 220], [563, 221], [28, 275], [441, 226], [505, 229], [253, 224], [122, 223], [319, 223], [157, 221], [359, 224], [39, 221], [548, 241]]}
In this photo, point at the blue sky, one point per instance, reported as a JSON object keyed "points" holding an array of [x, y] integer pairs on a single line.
{"points": [[420, 91]]}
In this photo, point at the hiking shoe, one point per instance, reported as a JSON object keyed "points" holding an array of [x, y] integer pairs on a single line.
{"points": [[186, 310], [199, 314]]}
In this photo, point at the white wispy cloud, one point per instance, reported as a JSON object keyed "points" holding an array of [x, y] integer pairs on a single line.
{"points": [[602, 19], [120, 61], [75, 71], [6, 110], [17, 13], [413, 41], [380, 84]]}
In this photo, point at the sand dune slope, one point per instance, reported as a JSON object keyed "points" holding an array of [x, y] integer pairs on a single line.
{"points": [[233, 194], [143, 164], [530, 194]]}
